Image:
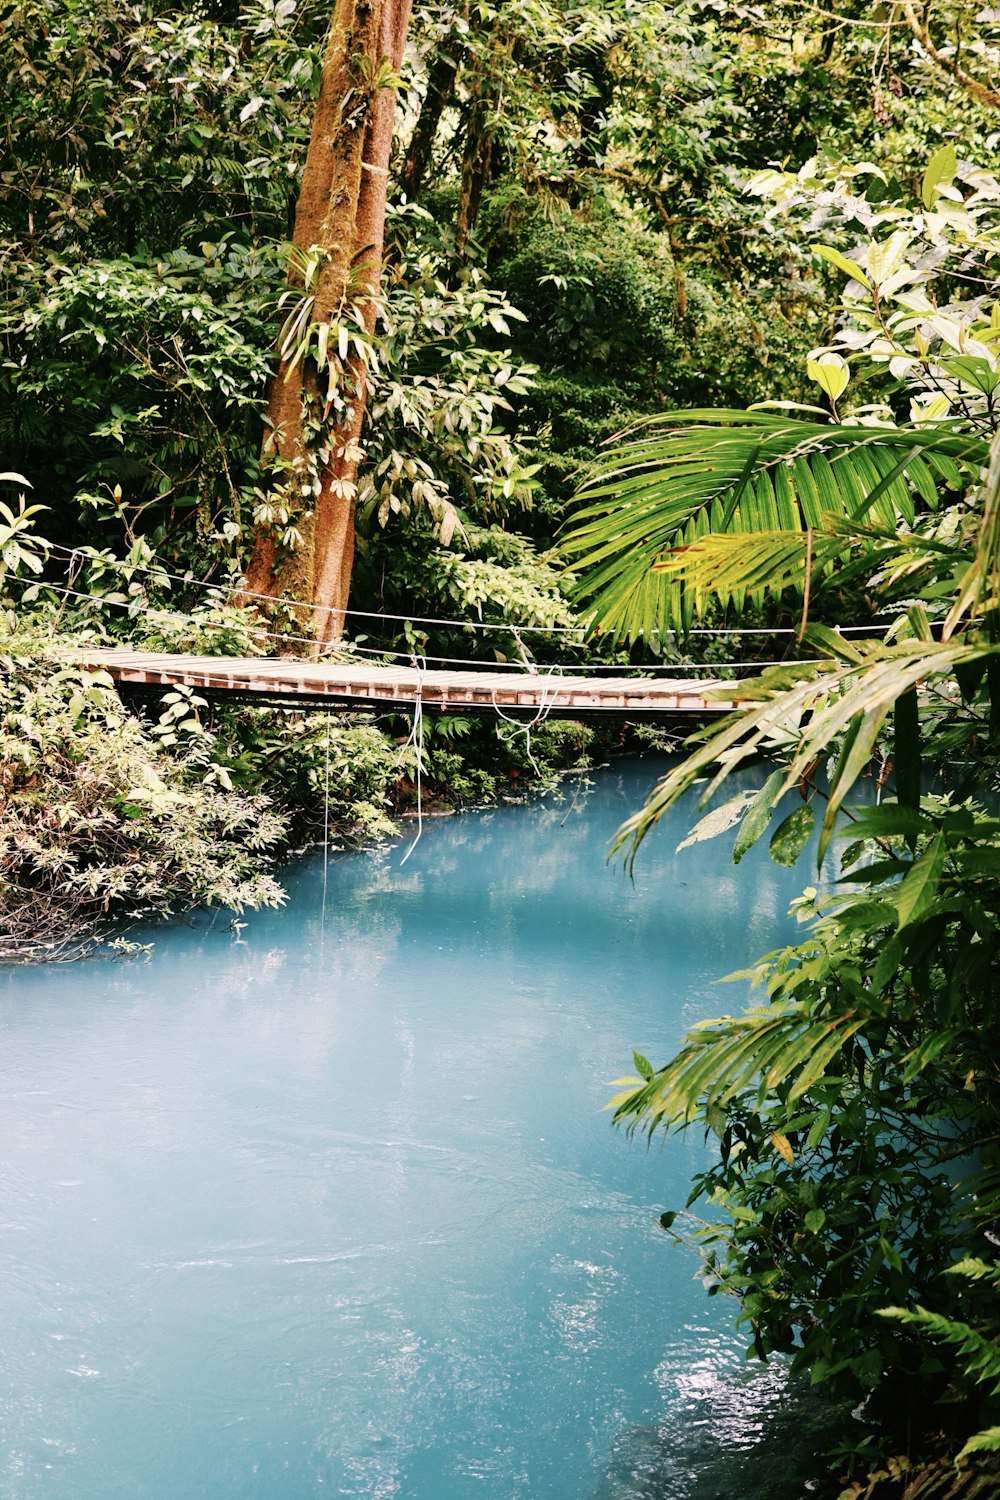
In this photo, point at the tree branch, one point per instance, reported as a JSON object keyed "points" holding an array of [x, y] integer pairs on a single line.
{"points": [[972, 86]]}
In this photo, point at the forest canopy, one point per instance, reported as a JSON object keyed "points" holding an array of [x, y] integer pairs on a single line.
{"points": [[570, 244]]}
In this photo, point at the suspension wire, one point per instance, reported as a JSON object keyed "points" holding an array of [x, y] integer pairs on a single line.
{"points": [[232, 588], [322, 609], [326, 835], [417, 740], [573, 668], [579, 669], [155, 611]]}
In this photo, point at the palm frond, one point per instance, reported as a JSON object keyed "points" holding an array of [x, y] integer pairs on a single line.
{"points": [[734, 568], [688, 474], [849, 692], [979, 587], [728, 1057], [980, 1356]]}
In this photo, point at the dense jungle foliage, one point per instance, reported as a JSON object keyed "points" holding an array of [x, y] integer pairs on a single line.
{"points": [[854, 1106], [598, 216]]}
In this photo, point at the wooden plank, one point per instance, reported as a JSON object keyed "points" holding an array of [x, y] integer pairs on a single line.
{"points": [[540, 692]]}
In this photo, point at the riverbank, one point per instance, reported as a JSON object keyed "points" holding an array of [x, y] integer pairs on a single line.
{"points": [[114, 813]]}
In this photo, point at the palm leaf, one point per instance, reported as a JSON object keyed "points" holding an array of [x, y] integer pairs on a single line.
{"points": [[851, 688], [734, 567], [723, 1059], [741, 473]]}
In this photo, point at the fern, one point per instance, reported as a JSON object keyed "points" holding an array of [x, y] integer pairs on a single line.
{"points": [[986, 1441], [980, 1354]]}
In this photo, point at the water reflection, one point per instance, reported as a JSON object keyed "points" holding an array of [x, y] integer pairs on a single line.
{"points": [[333, 1209], [725, 1434]]}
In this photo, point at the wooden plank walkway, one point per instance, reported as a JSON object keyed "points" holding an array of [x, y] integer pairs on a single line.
{"points": [[359, 685]]}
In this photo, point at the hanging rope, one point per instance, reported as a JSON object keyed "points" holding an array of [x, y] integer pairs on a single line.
{"points": [[417, 740], [525, 728], [484, 625], [261, 632]]}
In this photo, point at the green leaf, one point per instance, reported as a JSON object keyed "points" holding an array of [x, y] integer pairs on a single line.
{"points": [[859, 744], [940, 172], [831, 373], [987, 1441], [919, 887], [790, 837], [977, 374], [667, 1220], [849, 267], [757, 816], [889, 960], [890, 820], [979, 863], [643, 1067], [814, 1220], [719, 820]]}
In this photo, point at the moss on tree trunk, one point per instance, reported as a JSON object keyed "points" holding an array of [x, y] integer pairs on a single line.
{"points": [[341, 210]]}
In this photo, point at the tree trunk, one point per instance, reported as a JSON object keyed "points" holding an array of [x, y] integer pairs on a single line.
{"points": [[439, 94], [477, 166], [482, 158], [341, 215], [983, 93]]}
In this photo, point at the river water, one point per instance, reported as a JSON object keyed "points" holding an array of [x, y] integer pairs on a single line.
{"points": [[327, 1205]]}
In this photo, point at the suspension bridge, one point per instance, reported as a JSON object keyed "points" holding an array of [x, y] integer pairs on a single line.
{"points": [[364, 678], [515, 691]]}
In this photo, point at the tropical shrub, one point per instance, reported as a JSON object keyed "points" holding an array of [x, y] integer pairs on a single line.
{"points": [[854, 1107], [103, 823]]}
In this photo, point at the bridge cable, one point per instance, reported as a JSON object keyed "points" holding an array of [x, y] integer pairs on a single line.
{"points": [[417, 740], [575, 668], [232, 588]]}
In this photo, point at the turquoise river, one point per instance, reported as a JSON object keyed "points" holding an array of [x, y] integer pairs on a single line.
{"points": [[327, 1205]]}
